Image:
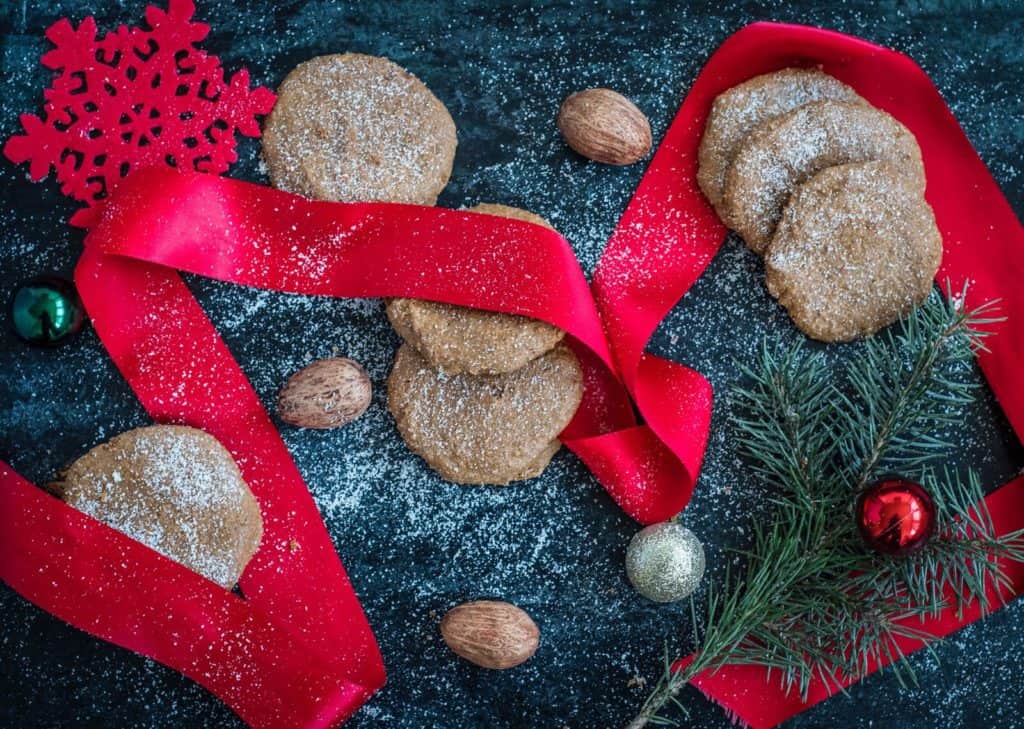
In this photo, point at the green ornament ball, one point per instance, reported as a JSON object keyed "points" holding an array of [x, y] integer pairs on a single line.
{"points": [[46, 310], [665, 562]]}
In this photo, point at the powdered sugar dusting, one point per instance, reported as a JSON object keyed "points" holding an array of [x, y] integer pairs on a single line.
{"points": [[784, 152], [356, 128], [412, 544], [739, 110], [856, 247], [174, 489], [487, 428]]}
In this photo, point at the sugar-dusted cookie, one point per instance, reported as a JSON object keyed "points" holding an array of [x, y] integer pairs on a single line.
{"points": [[856, 248], [734, 113], [785, 151], [358, 128], [175, 489], [485, 429], [459, 339]]}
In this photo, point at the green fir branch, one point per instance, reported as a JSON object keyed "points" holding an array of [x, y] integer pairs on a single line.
{"points": [[906, 387], [812, 603], [785, 420]]}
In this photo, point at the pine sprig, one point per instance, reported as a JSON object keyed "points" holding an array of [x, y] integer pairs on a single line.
{"points": [[785, 421], [907, 387], [812, 603]]}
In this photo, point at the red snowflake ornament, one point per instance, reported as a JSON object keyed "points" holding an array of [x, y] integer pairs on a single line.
{"points": [[134, 98]]}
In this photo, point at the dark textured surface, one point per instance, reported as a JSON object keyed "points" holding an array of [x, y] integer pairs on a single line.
{"points": [[413, 545]]}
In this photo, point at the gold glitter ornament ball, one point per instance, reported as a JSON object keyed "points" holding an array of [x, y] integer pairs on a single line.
{"points": [[665, 562]]}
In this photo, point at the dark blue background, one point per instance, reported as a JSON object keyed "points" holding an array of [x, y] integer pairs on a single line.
{"points": [[414, 546]]}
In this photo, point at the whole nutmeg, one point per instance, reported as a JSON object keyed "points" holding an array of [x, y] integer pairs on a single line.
{"points": [[490, 633], [605, 126], [327, 394]]}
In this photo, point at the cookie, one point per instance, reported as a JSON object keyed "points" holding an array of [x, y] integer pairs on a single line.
{"points": [[785, 151], [175, 489], [485, 429], [459, 339], [351, 127], [856, 248], [734, 113]]}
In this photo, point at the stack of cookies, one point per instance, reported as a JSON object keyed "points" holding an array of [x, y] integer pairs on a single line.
{"points": [[481, 396], [830, 190]]}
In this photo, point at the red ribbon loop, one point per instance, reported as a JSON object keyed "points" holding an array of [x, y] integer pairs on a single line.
{"points": [[257, 236]]}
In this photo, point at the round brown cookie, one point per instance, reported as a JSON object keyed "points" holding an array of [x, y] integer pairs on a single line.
{"points": [[460, 339], [734, 113], [536, 467], [485, 429], [351, 127], [175, 489], [783, 152], [856, 248]]}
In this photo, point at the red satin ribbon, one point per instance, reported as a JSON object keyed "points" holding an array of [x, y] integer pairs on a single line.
{"points": [[275, 670], [257, 236], [298, 604]]}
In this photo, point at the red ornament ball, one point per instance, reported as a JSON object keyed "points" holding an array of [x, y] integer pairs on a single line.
{"points": [[895, 516]]}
